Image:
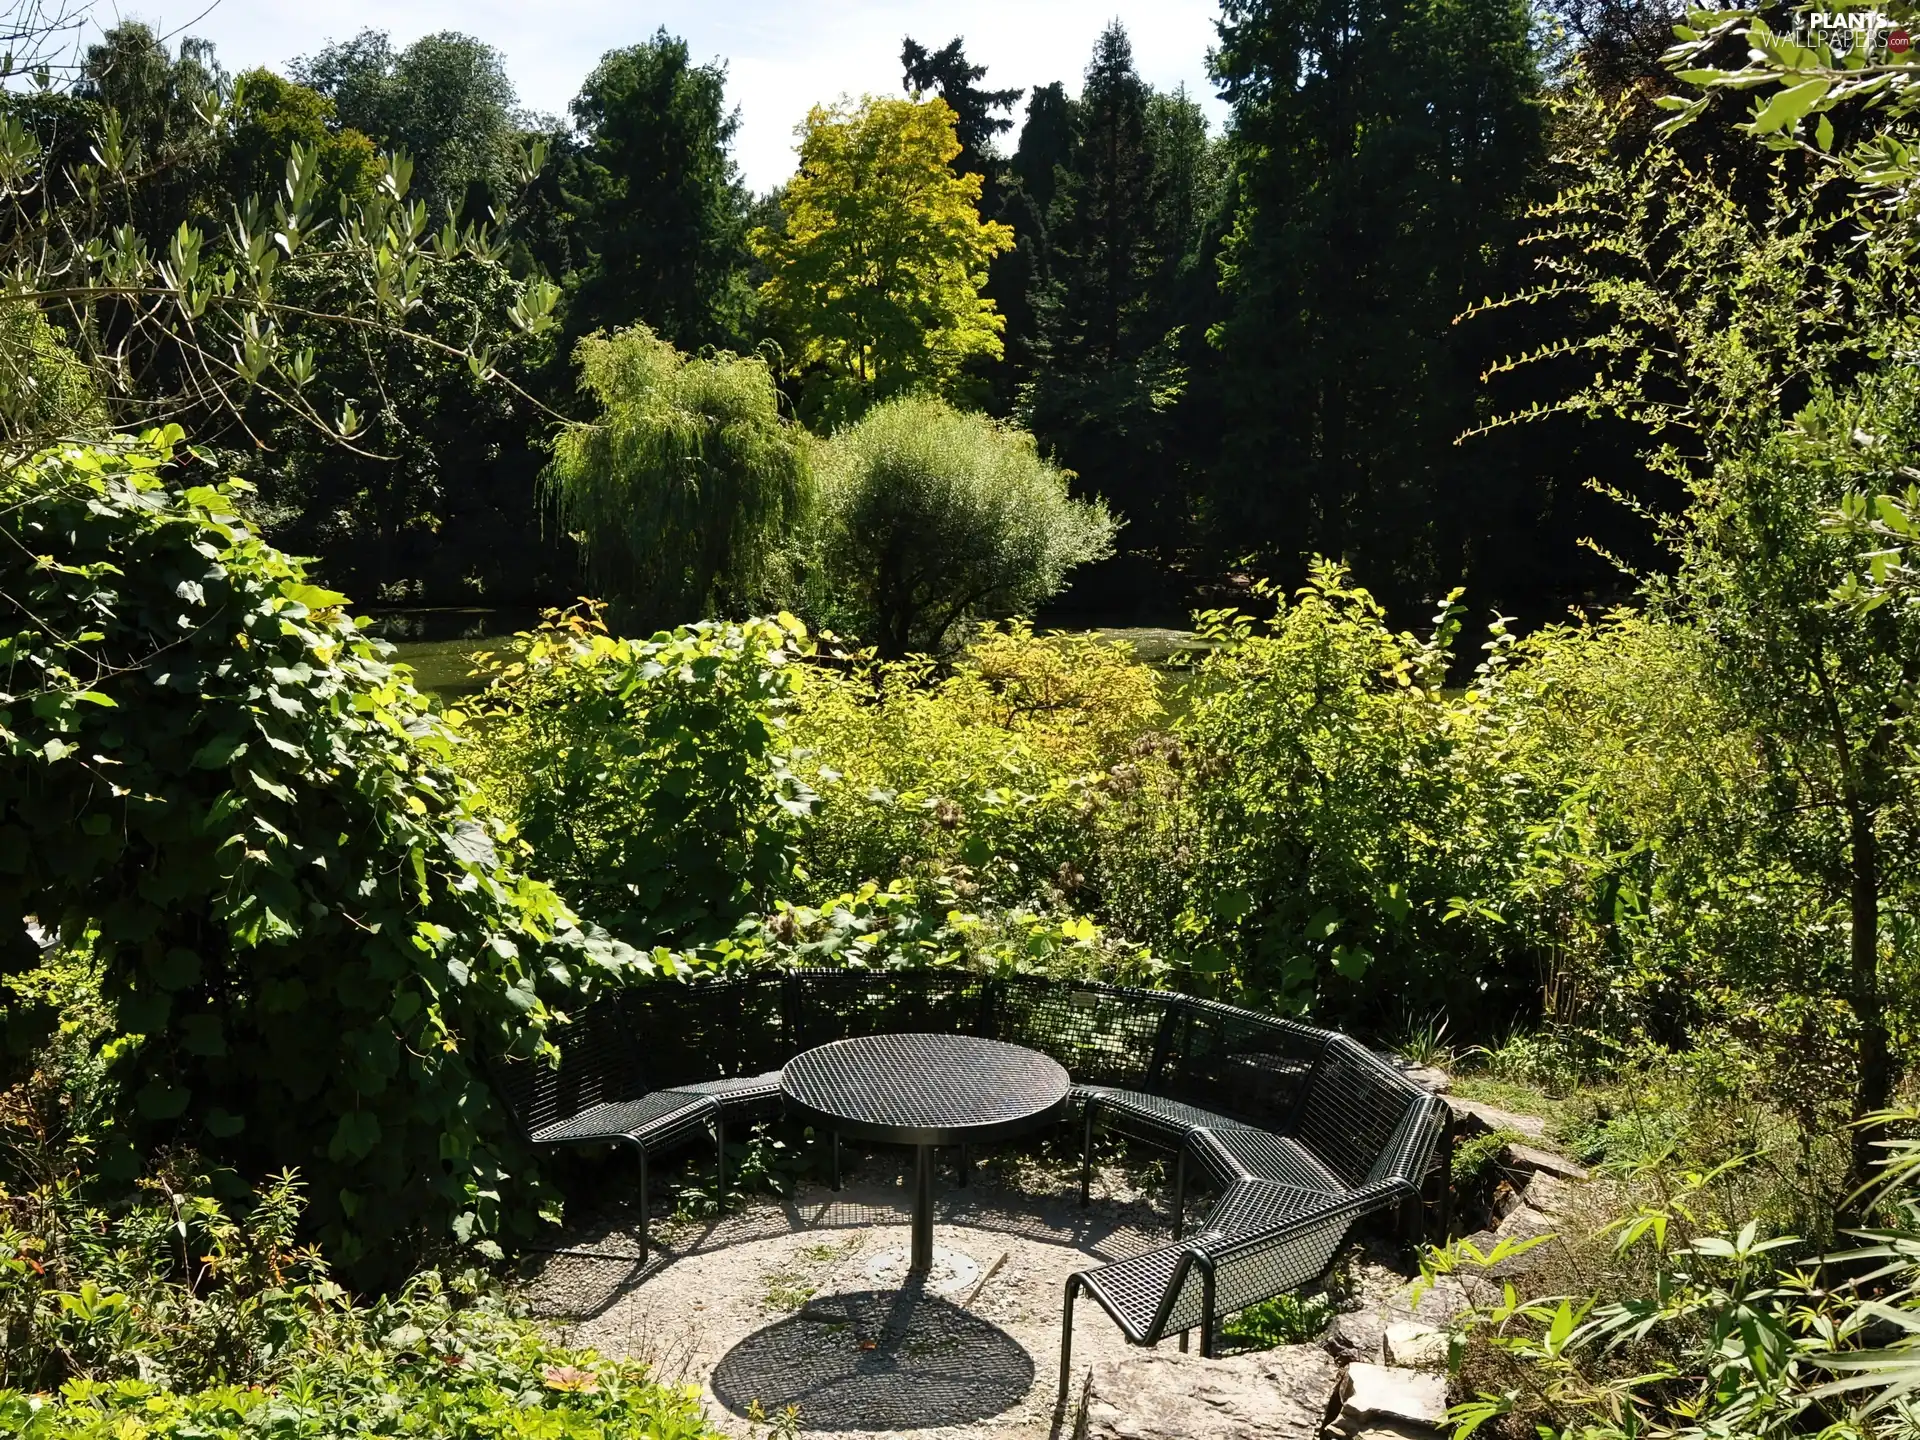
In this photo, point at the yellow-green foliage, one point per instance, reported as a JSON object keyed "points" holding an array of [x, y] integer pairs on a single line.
{"points": [[45, 391], [989, 776]]}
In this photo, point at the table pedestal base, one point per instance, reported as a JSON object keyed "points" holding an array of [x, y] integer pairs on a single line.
{"points": [[922, 1260]]}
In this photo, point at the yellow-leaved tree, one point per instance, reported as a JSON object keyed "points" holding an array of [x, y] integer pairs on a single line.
{"points": [[877, 275]]}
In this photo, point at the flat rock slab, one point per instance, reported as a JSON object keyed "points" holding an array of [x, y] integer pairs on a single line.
{"points": [[1427, 1077], [1545, 1162], [1281, 1394], [1375, 1396], [1492, 1117], [1549, 1194], [1411, 1345]]}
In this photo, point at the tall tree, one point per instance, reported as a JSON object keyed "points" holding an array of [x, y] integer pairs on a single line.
{"points": [[445, 99], [946, 72], [876, 279], [1024, 283], [663, 212], [1385, 150], [1109, 367]]}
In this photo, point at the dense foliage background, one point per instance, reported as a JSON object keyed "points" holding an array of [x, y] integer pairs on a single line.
{"points": [[1442, 333]]}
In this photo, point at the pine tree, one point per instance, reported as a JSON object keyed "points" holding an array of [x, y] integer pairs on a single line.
{"points": [[1385, 150], [946, 72], [1108, 367]]}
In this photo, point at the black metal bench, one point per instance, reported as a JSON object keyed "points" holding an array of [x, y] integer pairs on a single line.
{"points": [[1302, 1129]]}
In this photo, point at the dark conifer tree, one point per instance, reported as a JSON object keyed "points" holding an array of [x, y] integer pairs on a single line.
{"points": [[1108, 369], [662, 211], [1386, 148], [982, 115]]}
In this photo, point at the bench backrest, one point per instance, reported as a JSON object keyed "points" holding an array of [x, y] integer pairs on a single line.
{"points": [[1253, 1067], [821, 1006], [599, 1063], [1101, 1034], [1358, 1113]]}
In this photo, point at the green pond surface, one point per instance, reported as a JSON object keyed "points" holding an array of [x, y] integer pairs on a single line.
{"points": [[443, 665]]}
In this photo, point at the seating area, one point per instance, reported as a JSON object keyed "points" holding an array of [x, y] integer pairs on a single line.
{"points": [[1302, 1130]]}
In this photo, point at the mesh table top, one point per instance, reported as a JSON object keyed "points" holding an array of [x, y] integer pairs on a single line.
{"points": [[925, 1089]]}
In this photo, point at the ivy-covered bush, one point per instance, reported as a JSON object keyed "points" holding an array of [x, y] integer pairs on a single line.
{"points": [[305, 933], [648, 778]]}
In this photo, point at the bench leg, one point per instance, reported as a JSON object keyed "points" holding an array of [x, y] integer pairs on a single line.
{"points": [[966, 1166], [836, 1162], [720, 1153], [644, 1216], [1180, 1204], [1184, 1334], [1066, 1347], [1086, 1156], [1206, 1315]]}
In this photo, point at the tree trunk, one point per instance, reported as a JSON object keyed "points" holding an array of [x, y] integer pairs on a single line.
{"points": [[1875, 1087]]}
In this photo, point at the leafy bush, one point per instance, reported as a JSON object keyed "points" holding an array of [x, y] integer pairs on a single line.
{"points": [[1682, 1318], [934, 516], [647, 778], [685, 488], [304, 933], [984, 779], [900, 927], [439, 1358], [1330, 829]]}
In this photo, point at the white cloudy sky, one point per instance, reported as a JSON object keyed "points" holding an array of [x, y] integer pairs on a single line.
{"points": [[783, 55]]}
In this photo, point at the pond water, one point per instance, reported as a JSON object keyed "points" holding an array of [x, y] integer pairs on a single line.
{"points": [[440, 644]]}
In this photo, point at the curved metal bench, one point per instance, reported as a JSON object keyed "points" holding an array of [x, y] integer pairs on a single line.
{"points": [[1303, 1129]]}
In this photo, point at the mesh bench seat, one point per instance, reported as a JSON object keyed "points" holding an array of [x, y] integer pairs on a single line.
{"points": [[655, 1119], [1238, 1152], [598, 1094], [744, 1097]]}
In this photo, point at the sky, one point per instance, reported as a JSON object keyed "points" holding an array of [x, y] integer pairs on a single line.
{"points": [[782, 55]]}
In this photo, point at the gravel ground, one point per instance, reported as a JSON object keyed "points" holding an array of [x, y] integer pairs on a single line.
{"points": [[798, 1302]]}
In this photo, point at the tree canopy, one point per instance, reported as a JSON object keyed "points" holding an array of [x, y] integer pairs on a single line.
{"points": [[662, 211], [877, 276], [686, 487]]}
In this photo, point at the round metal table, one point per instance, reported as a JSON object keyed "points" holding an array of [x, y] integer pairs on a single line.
{"points": [[924, 1091]]}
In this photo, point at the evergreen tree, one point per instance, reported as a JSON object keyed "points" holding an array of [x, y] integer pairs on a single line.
{"points": [[1022, 281], [662, 210], [947, 73], [1108, 368], [1385, 147]]}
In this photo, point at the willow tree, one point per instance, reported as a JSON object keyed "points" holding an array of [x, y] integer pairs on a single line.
{"points": [[685, 489]]}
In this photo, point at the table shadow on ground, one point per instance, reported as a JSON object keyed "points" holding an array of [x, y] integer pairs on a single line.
{"points": [[877, 1360]]}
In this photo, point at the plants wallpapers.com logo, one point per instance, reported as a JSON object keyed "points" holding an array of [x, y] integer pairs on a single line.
{"points": [[1871, 34]]}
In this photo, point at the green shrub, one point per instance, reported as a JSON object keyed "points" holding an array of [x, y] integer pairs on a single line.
{"points": [[933, 517], [900, 927], [986, 779], [647, 778], [1331, 828], [304, 932], [439, 1358], [1688, 1315]]}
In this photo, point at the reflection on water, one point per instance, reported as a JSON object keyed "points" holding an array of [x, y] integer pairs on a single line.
{"points": [[439, 643]]}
